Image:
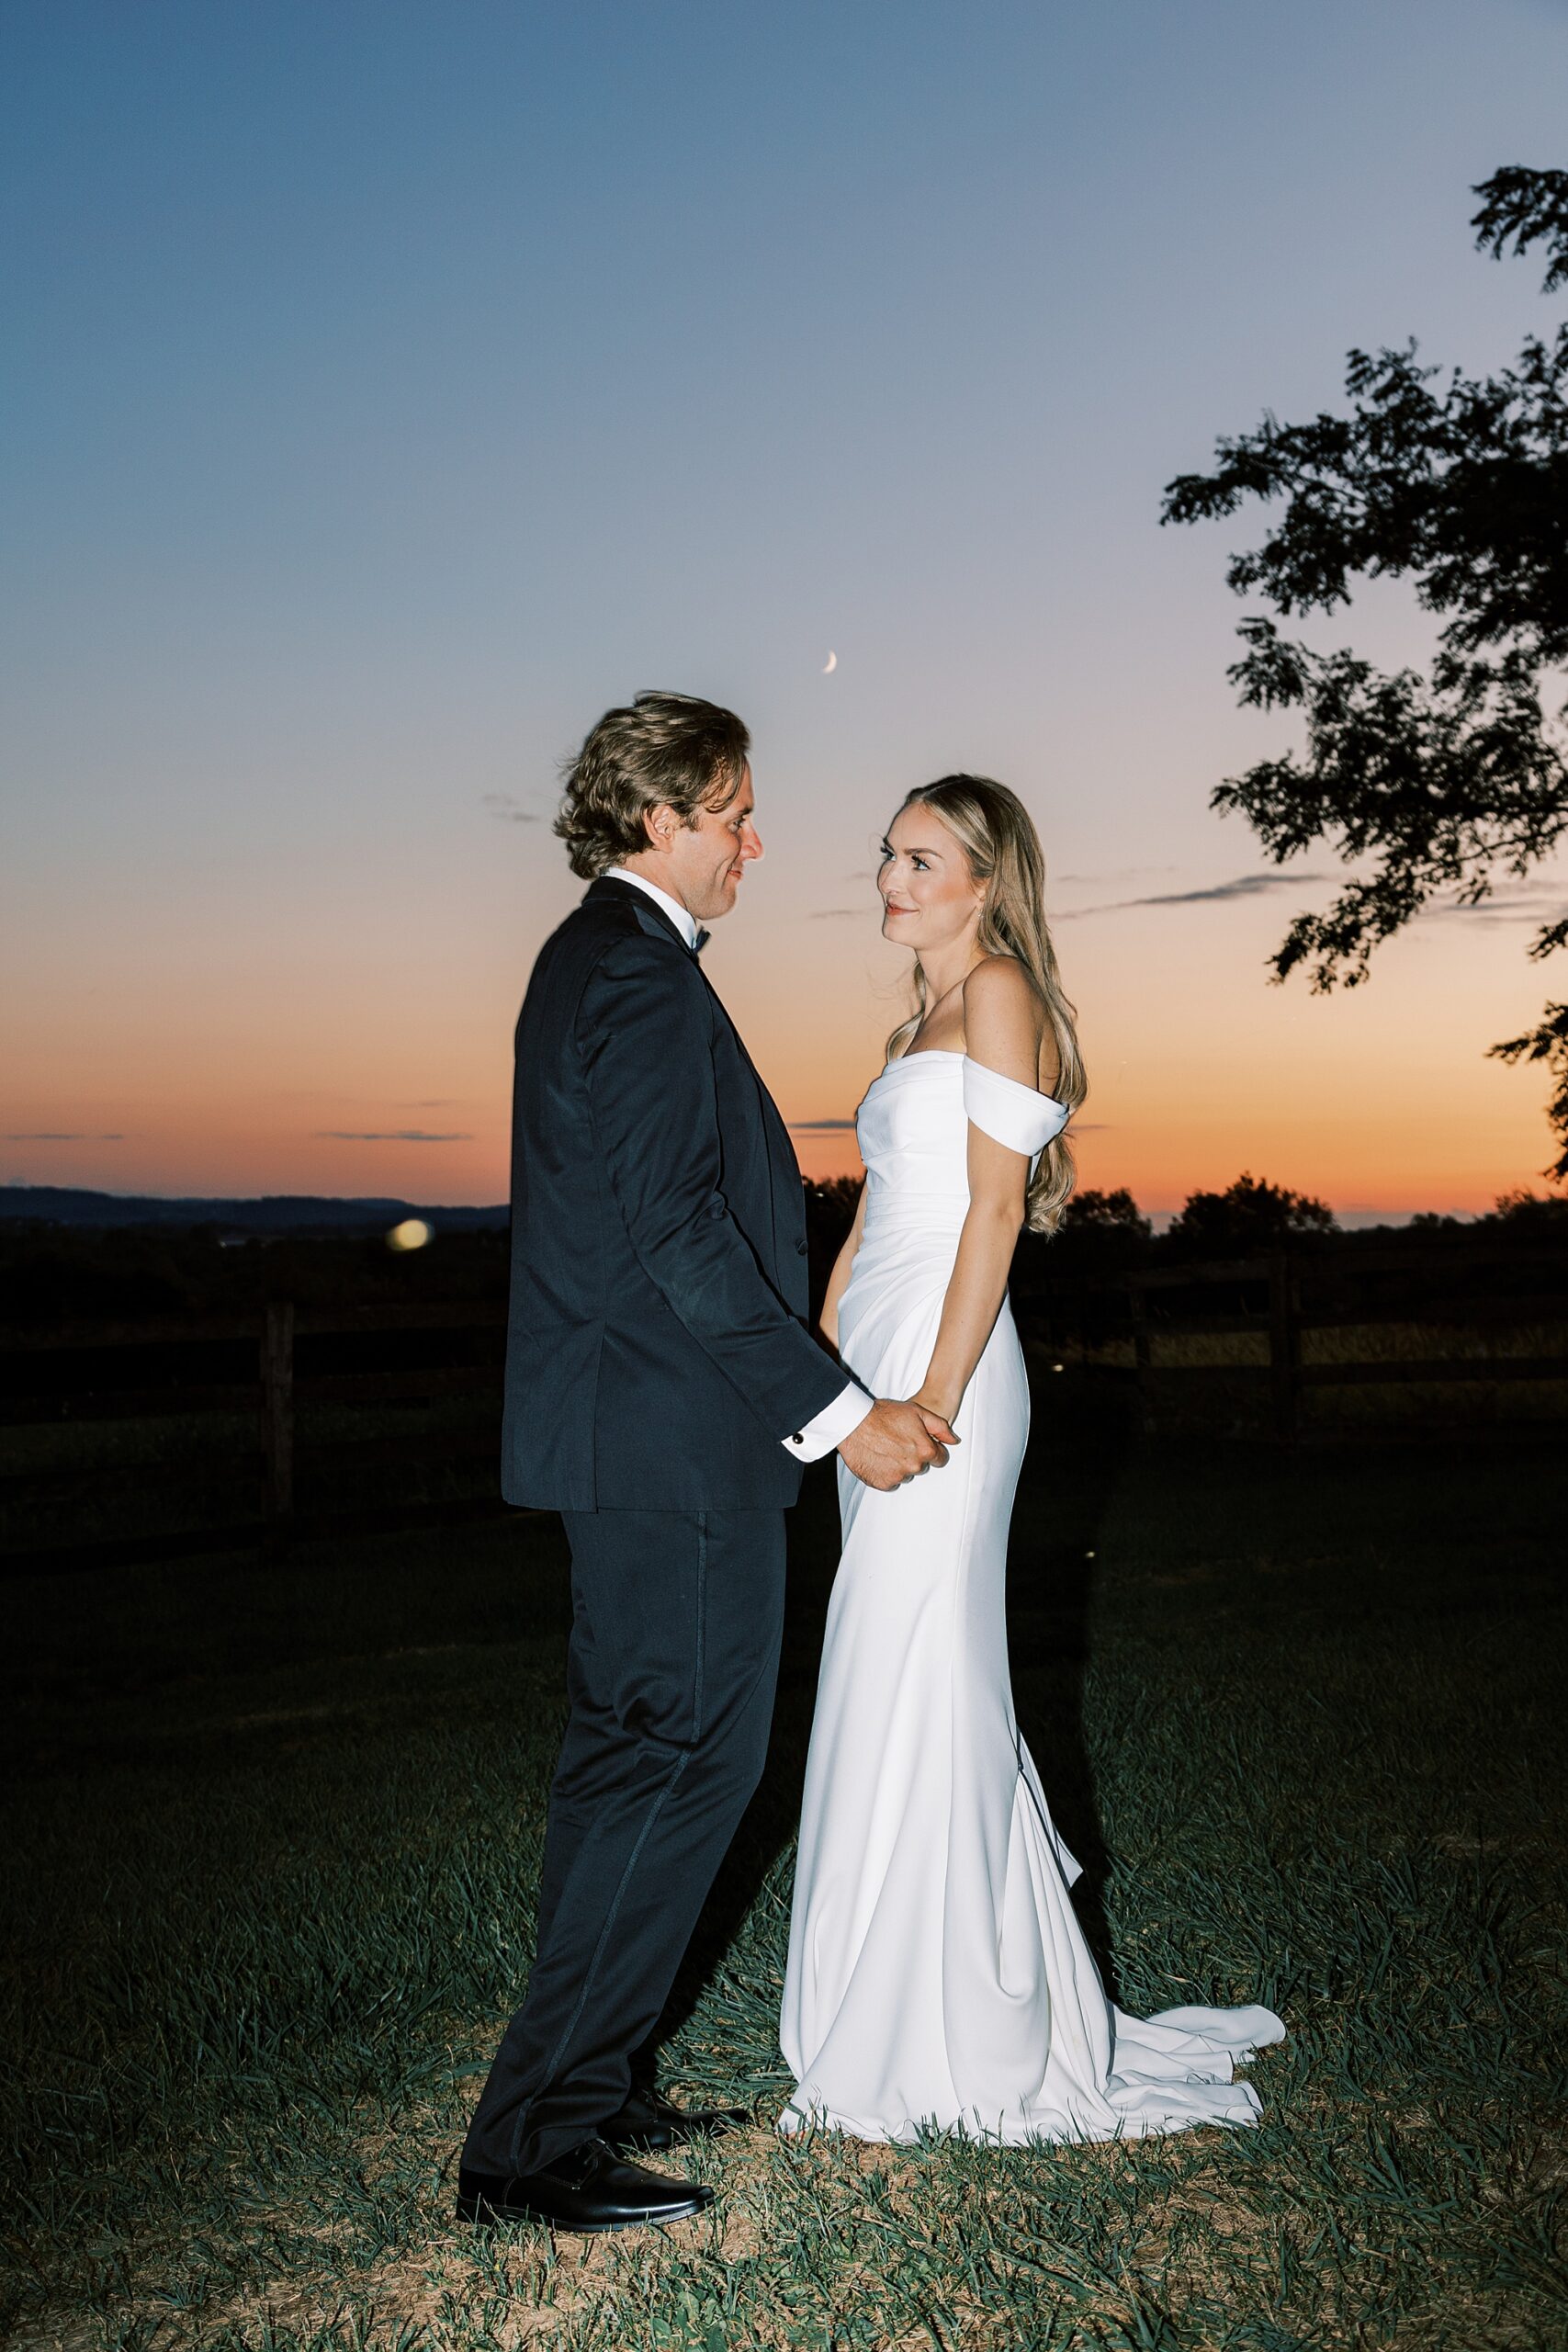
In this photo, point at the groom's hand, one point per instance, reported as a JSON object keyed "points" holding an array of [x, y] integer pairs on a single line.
{"points": [[895, 1443]]}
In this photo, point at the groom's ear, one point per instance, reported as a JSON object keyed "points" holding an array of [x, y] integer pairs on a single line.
{"points": [[661, 823]]}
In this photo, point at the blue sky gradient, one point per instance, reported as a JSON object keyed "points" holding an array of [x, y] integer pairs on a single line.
{"points": [[391, 388]]}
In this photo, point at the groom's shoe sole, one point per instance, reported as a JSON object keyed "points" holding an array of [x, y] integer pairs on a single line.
{"points": [[606, 2193], [481, 2214]]}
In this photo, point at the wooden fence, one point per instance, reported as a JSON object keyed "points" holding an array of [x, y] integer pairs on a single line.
{"points": [[93, 1373], [89, 1386], [1156, 1307]]}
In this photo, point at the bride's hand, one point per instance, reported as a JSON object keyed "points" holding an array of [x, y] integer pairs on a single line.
{"points": [[937, 1414]]}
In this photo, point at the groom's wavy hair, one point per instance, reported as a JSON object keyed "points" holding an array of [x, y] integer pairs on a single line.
{"points": [[672, 748], [997, 837]]}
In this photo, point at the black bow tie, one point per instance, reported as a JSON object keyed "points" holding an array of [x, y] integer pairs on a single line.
{"points": [[700, 941]]}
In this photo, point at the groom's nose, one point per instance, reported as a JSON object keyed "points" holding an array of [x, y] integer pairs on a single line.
{"points": [[751, 840]]}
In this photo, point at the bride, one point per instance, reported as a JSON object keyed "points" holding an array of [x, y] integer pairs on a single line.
{"points": [[937, 1976]]}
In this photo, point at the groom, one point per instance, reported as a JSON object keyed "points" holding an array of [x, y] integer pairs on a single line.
{"points": [[662, 1392]]}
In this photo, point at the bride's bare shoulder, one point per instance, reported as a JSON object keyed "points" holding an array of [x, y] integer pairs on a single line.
{"points": [[1001, 989], [1004, 1019]]}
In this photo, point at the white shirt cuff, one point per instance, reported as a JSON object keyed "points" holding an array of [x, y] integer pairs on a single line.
{"points": [[828, 1430]]}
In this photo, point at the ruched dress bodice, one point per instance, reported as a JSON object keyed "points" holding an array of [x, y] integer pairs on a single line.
{"points": [[937, 1975], [913, 1133]]}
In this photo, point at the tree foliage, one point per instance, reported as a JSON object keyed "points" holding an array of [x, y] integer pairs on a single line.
{"points": [[1115, 1212], [1248, 1215], [1444, 781], [1529, 1216]]}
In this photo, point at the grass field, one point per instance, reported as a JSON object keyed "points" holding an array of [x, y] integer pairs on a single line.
{"points": [[1395, 1408], [270, 1845]]}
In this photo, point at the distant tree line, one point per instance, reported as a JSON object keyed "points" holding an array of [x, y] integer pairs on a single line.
{"points": [[1252, 1216], [53, 1274], [1105, 1232]]}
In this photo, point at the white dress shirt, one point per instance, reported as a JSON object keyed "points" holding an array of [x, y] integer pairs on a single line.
{"points": [[827, 1431], [683, 920]]}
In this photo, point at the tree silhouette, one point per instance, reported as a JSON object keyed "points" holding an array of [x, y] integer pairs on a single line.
{"points": [[1442, 781], [1249, 1215], [1527, 1216], [1115, 1212]]}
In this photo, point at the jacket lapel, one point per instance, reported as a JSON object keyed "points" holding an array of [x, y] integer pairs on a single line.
{"points": [[772, 1115], [648, 912], [657, 923]]}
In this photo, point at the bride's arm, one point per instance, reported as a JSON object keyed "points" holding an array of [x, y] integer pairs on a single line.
{"points": [[838, 1280], [1003, 1024]]}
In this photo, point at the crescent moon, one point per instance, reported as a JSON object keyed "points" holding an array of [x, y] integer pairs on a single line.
{"points": [[831, 664]]}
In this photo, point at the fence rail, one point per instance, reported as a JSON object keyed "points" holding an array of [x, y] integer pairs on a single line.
{"points": [[112, 1378], [1283, 1320], [272, 1396]]}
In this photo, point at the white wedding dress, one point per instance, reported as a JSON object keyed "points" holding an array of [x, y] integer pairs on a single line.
{"points": [[938, 1977]]}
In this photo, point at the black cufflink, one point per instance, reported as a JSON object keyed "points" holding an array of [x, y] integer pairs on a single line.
{"points": [[797, 1438]]}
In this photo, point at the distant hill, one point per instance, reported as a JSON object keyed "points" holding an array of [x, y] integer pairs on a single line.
{"points": [[293, 1212]]}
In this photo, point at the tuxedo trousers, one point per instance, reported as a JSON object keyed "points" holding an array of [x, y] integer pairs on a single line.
{"points": [[670, 1674]]}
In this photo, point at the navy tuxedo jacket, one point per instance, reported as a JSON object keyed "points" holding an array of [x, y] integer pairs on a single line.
{"points": [[656, 1347]]}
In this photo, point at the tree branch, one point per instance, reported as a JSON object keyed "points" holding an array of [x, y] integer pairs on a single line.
{"points": [[1523, 204], [1547, 1043]]}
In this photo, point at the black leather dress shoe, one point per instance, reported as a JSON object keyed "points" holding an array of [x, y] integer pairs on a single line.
{"points": [[649, 2123], [589, 2188]]}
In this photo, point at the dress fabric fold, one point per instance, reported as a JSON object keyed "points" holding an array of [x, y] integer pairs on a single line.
{"points": [[938, 1978], [1005, 1110]]}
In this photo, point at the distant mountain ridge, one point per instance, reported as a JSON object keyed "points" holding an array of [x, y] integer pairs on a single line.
{"points": [[296, 1213]]}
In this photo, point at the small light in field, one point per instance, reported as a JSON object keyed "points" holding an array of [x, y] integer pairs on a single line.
{"points": [[1055, 1367], [1088, 1555], [412, 1234]]}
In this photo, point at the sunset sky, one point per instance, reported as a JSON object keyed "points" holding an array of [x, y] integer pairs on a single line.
{"points": [[394, 387]]}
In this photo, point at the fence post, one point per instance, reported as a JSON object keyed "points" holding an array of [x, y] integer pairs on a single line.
{"points": [[1284, 1346], [277, 1419], [1138, 1305]]}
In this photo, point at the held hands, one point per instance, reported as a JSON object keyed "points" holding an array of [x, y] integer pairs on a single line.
{"points": [[896, 1442]]}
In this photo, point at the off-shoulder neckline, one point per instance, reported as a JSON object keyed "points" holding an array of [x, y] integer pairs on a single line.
{"points": [[951, 1054]]}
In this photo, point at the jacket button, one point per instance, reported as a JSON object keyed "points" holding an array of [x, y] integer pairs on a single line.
{"points": [[800, 1248]]}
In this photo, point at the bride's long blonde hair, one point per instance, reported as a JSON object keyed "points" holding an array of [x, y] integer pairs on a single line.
{"points": [[997, 837]]}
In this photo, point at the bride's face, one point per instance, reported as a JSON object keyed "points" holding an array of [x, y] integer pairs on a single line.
{"points": [[929, 896]]}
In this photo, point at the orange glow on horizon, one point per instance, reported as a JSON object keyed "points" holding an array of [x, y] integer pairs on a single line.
{"points": [[369, 1073]]}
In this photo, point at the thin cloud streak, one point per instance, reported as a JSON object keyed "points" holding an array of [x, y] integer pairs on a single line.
{"points": [[399, 1134], [1502, 906], [45, 1135], [1243, 885]]}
